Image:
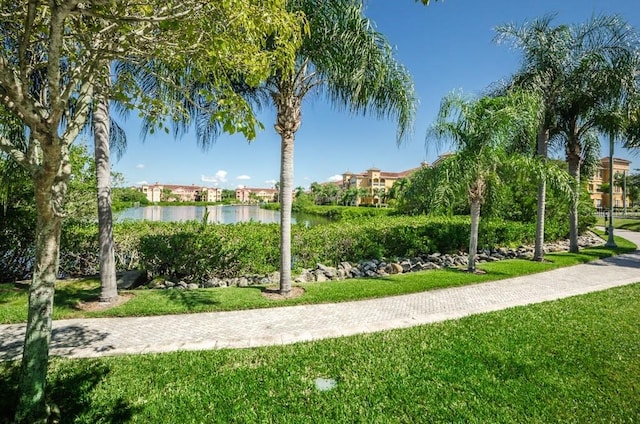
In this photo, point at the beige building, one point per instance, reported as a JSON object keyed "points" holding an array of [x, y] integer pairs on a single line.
{"points": [[375, 184], [181, 193], [600, 199], [253, 195]]}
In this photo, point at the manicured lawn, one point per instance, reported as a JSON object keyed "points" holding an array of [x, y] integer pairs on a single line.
{"points": [[573, 360], [630, 224], [13, 300]]}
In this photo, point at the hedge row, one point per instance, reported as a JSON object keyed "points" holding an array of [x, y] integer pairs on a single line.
{"points": [[195, 251]]}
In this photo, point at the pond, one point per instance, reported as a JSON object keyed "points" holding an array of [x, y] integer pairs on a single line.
{"points": [[219, 214]]}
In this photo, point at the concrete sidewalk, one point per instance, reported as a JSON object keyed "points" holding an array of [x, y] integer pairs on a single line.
{"points": [[79, 338]]}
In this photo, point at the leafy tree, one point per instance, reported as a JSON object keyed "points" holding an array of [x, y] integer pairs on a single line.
{"points": [[566, 66], [342, 53], [480, 130], [127, 195], [228, 196], [49, 66]]}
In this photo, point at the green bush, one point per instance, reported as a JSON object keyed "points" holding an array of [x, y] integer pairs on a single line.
{"points": [[196, 252]]}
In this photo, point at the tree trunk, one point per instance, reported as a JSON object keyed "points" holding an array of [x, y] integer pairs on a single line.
{"points": [[573, 160], [542, 143], [287, 123], [50, 189], [473, 239], [101, 128], [286, 182]]}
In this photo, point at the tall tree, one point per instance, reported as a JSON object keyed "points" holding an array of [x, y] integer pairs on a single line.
{"points": [[545, 69], [101, 132], [344, 58], [557, 64], [596, 101], [49, 60], [480, 130], [354, 65]]}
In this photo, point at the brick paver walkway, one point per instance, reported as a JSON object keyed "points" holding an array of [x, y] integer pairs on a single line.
{"points": [[115, 336]]}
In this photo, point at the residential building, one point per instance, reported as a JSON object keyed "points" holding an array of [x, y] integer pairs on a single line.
{"points": [[252, 195], [601, 176], [181, 193], [374, 183]]}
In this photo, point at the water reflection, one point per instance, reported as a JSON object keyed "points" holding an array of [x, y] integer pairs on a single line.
{"points": [[216, 214]]}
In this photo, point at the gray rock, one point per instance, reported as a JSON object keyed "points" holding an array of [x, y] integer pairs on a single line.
{"points": [[192, 286]]}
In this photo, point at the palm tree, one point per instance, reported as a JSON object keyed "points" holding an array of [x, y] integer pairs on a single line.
{"points": [[544, 70], [344, 55], [558, 64], [481, 131], [599, 99]]}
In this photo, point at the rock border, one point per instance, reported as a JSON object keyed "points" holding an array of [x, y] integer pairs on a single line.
{"points": [[375, 268]]}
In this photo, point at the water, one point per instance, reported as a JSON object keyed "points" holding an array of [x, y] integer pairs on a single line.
{"points": [[221, 214]]}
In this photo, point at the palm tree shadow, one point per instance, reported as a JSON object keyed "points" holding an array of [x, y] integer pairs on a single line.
{"points": [[71, 391], [68, 394], [190, 299]]}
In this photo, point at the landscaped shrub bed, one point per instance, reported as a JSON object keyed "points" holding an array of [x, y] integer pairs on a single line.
{"points": [[196, 251]]}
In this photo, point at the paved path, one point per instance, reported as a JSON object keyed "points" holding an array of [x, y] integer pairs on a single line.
{"points": [[78, 338]]}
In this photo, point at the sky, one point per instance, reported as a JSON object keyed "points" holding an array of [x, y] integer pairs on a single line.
{"points": [[446, 46]]}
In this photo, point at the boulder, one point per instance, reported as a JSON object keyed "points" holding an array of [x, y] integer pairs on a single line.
{"points": [[394, 268]]}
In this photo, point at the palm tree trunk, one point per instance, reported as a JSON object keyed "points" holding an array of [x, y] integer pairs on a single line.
{"points": [[573, 159], [542, 142], [286, 183], [287, 123], [50, 188], [101, 128], [473, 239]]}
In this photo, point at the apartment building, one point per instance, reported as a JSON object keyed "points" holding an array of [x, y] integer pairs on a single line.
{"points": [[375, 184], [253, 195], [181, 193], [601, 176]]}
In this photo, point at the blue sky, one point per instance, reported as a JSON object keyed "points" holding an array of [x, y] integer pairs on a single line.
{"points": [[445, 46]]}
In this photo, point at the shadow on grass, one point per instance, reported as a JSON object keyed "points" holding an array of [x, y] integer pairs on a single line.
{"points": [[69, 297], [190, 299], [9, 374], [68, 394]]}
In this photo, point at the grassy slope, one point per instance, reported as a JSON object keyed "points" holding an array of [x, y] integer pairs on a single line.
{"points": [[161, 302], [573, 360]]}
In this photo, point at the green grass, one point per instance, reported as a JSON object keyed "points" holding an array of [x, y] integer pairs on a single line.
{"points": [[623, 223], [13, 299], [574, 360]]}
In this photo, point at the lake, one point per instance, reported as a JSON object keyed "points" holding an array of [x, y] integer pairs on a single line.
{"points": [[219, 214]]}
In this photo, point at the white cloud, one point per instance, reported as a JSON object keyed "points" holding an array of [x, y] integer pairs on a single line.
{"points": [[335, 178], [140, 166], [272, 182], [220, 177], [243, 177], [143, 182]]}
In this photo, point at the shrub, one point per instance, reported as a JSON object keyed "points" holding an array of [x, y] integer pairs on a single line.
{"points": [[195, 251]]}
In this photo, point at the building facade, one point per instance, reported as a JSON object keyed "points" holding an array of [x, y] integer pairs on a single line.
{"points": [[255, 195], [373, 184], [601, 176], [181, 193]]}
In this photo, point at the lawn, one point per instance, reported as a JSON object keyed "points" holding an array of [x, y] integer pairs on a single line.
{"points": [[161, 302], [631, 224], [573, 360]]}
